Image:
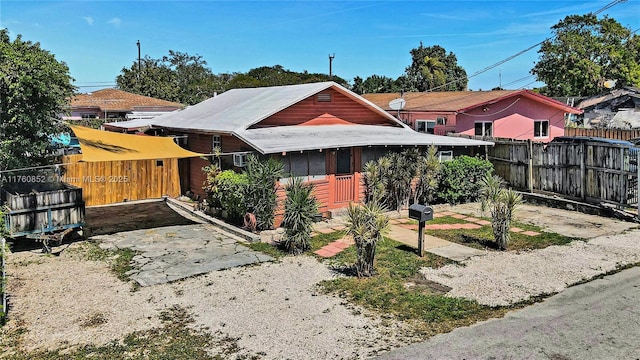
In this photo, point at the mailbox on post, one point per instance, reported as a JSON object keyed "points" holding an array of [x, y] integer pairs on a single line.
{"points": [[421, 213]]}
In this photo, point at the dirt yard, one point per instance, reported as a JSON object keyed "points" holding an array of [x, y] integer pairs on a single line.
{"points": [[272, 309]]}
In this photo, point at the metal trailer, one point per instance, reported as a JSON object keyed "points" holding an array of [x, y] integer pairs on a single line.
{"points": [[46, 215]]}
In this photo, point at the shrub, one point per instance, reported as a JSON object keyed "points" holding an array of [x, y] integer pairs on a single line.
{"points": [[228, 192], [461, 179], [501, 203], [261, 198], [367, 224], [300, 209]]}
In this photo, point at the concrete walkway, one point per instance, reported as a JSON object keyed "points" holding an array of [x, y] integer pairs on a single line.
{"points": [[433, 244]]}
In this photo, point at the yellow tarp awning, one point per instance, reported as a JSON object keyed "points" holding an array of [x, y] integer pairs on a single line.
{"points": [[98, 145]]}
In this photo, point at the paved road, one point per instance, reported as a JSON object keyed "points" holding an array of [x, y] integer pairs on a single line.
{"points": [[596, 320]]}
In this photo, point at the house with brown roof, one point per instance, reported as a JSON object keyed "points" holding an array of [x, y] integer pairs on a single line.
{"points": [[512, 114], [118, 104]]}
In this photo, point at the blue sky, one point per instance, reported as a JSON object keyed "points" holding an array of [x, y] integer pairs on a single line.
{"points": [[98, 38]]}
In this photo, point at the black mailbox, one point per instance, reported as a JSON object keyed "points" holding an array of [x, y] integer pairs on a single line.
{"points": [[420, 212]]}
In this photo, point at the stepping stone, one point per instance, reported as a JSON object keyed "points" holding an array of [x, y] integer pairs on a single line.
{"points": [[531, 233], [447, 213], [394, 221], [458, 216], [410, 226], [333, 248], [340, 244], [470, 226], [325, 230], [471, 219], [347, 240], [483, 222], [324, 253], [439, 227], [338, 227], [439, 215], [516, 230]]}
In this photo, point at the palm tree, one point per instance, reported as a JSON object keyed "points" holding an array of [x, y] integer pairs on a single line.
{"points": [[300, 209], [501, 202], [366, 223], [433, 72]]}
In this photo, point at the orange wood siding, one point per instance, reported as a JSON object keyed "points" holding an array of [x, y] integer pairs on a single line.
{"points": [[109, 182], [340, 106]]}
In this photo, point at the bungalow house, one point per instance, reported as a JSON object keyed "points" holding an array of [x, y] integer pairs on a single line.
{"points": [[320, 131], [512, 114], [117, 104], [614, 109]]}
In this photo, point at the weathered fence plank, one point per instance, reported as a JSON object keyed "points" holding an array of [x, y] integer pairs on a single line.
{"points": [[592, 172]]}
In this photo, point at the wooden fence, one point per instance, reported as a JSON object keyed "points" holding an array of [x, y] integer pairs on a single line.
{"points": [[110, 182], [619, 134], [588, 172]]}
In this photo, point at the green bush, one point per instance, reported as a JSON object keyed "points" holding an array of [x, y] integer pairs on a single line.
{"points": [[229, 192], [461, 179]]}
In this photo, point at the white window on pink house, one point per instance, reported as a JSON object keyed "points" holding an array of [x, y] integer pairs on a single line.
{"points": [[483, 128], [541, 128], [425, 126]]}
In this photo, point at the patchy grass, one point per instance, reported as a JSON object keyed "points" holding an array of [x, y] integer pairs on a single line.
{"points": [[483, 238], [316, 243], [397, 290], [175, 339], [118, 260]]}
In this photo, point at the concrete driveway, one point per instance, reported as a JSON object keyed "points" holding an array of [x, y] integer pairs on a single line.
{"points": [[177, 252]]}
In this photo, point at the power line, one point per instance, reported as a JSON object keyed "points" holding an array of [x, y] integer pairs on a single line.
{"points": [[608, 6]]}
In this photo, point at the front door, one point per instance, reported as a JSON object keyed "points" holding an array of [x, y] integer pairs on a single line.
{"points": [[345, 184]]}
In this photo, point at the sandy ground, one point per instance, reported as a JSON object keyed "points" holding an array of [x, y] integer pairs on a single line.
{"points": [[273, 308]]}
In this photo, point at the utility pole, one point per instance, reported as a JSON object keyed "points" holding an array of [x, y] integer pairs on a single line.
{"points": [[139, 67], [331, 57]]}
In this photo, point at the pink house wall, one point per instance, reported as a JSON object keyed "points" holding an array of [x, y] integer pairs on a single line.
{"points": [[513, 118]]}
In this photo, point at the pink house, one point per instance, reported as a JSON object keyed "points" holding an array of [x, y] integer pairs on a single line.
{"points": [[512, 114]]}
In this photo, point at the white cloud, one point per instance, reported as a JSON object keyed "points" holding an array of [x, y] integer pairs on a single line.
{"points": [[115, 22], [88, 19]]}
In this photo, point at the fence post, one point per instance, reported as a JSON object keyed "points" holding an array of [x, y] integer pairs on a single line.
{"points": [[583, 171], [530, 149]]}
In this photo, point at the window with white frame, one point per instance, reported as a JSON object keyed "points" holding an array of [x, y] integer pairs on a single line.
{"points": [[216, 143], [483, 128], [541, 128], [445, 155], [441, 120], [425, 126]]}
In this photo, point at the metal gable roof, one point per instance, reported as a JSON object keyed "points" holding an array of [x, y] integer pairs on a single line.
{"points": [[299, 138], [238, 109]]}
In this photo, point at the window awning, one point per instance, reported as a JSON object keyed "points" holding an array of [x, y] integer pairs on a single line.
{"points": [[98, 145]]}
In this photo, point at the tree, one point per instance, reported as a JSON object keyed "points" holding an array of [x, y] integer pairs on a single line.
{"points": [[501, 203], [375, 84], [366, 223], [584, 52], [300, 210], [432, 68], [35, 89], [428, 177], [178, 77]]}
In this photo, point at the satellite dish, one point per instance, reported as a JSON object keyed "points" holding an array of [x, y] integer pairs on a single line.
{"points": [[397, 104], [610, 84]]}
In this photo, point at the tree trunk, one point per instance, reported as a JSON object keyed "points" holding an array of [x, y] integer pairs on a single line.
{"points": [[366, 255]]}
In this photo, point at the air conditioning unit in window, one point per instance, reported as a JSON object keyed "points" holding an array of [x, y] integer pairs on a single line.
{"points": [[240, 160]]}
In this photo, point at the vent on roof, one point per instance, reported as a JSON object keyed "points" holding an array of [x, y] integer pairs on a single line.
{"points": [[324, 97]]}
